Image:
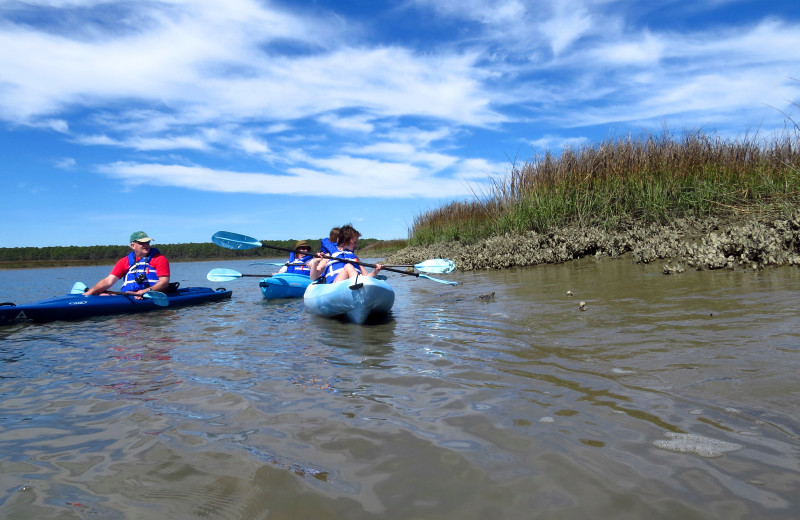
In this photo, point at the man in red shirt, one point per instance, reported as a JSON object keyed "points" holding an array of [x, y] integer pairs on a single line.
{"points": [[143, 269]]}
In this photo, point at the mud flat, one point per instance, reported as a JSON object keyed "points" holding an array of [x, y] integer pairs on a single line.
{"points": [[710, 243]]}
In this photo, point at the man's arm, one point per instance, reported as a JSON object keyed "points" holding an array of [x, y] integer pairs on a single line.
{"points": [[103, 285]]}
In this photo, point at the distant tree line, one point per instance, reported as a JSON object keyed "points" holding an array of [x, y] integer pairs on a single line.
{"points": [[175, 252]]}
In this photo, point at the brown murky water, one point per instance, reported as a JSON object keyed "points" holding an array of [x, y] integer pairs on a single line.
{"points": [[667, 397]]}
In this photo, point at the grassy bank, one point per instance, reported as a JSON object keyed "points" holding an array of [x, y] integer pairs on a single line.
{"points": [[650, 179]]}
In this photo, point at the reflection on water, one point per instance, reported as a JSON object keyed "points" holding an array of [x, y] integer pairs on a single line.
{"points": [[667, 396]]}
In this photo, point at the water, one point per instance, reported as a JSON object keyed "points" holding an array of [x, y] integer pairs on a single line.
{"points": [[667, 397]]}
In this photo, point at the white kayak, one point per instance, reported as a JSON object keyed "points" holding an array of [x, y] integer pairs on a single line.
{"points": [[355, 298]]}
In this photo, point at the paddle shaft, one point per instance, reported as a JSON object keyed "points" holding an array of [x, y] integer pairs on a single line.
{"points": [[347, 260], [237, 241], [158, 297]]}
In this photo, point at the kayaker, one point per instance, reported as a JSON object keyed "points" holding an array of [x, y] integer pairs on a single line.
{"points": [[334, 270], [328, 245], [298, 265], [143, 269]]}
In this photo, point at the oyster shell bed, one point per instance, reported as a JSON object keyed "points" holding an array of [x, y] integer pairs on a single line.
{"points": [[710, 243]]}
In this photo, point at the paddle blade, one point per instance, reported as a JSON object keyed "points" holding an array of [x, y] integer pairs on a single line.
{"points": [[436, 266], [159, 298], [230, 240], [78, 288], [223, 275]]}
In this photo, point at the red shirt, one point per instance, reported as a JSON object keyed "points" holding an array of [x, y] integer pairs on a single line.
{"points": [[159, 262]]}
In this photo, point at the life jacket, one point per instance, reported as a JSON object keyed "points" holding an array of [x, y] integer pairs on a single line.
{"points": [[299, 266], [328, 247], [142, 267], [334, 267]]}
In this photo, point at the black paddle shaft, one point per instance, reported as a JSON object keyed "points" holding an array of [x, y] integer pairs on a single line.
{"points": [[348, 260]]}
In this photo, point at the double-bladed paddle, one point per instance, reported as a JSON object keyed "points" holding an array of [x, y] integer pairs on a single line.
{"points": [[159, 298], [231, 240], [433, 266]]}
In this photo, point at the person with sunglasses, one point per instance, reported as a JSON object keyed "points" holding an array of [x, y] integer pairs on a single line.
{"points": [[298, 260], [143, 269]]}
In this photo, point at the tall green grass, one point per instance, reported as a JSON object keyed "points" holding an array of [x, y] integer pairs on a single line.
{"points": [[647, 179]]}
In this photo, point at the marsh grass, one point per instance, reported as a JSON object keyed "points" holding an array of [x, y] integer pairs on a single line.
{"points": [[647, 179], [382, 248]]}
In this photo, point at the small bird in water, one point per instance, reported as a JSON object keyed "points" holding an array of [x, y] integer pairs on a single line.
{"points": [[486, 297], [582, 306], [569, 293]]}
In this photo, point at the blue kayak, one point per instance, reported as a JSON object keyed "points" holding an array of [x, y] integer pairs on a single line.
{"points": [[284, 285], [354, 299], [78, 306]]}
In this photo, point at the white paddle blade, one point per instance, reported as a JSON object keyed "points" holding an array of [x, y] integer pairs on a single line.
{"points": [[231, 240], [436, 266], [78, 288], [223, 275], [159, 298]]}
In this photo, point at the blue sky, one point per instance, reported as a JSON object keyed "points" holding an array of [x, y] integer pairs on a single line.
{"points": [[281, 119]]}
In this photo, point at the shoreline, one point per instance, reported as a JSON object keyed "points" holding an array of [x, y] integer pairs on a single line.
{"points": [[696, 243], [43, 264]]}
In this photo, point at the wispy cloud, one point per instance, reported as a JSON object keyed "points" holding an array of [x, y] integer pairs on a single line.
{"points": [[343, 176], [66, 163]]}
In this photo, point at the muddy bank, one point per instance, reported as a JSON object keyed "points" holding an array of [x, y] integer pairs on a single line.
{"points": [[711, 243]]}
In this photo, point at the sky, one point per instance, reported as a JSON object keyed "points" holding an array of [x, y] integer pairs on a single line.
{"points": [[281, 119]]}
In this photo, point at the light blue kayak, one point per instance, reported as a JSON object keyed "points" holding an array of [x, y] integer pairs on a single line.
{"points": [[284, 285], [356, 298]]}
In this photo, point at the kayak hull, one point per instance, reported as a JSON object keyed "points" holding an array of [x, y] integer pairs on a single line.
{"points": [[355, 299], [284, 285], [78, 306]]}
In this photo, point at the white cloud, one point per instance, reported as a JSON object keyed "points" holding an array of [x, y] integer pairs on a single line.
{"points": [[67, 163], [358, 124], [147, 143], [646, 49], [695, 78], [343, 176], [59, 125], [254, 146], [554, 143], [407, 153], [570, 21], [173, 61]]}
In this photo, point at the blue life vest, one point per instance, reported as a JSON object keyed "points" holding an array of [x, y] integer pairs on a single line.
{"points": [[299, 266], [334, 267], [328, 247], [129, 283]]}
